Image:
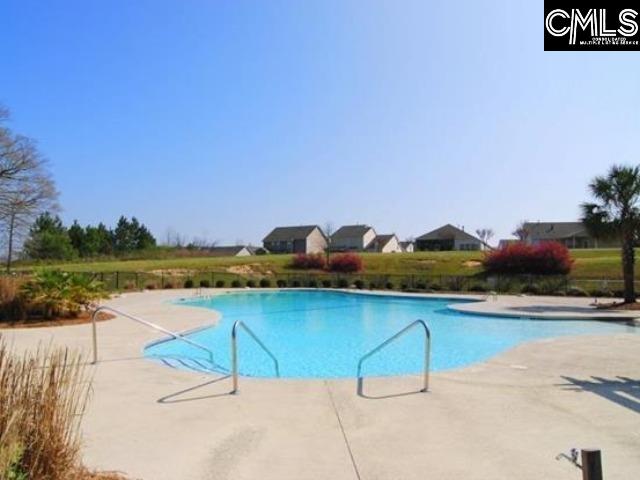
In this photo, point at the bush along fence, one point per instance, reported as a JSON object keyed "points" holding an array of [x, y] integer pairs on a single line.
{"points": [[513, 284]]}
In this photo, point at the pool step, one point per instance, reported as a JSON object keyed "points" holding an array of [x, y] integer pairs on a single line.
{"points": [[190, 363]]}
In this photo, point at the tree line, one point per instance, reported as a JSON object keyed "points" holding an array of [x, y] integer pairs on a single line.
{"points": [[49, 239]]}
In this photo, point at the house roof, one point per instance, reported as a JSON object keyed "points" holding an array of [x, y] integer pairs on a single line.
{"points": [[287, 234], [448, 231], [554, 230], [224, 251], [351, 231], [382, 240]]}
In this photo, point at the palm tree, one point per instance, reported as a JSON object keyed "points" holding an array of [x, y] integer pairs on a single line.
{"points": [[616, 214]]}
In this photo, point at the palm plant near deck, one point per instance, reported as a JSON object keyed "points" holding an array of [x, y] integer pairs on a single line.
{"points": [[616, 214]]}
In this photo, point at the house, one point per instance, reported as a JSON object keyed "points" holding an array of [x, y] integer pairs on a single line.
{"points": [[385, 244], [352, 237], [257, 250], [570, 234], [449, 237], [301, 239], [407, 247], [230, 251]]}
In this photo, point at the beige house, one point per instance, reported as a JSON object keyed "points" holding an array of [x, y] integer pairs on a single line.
{"points": [[407, 247], [385, 244], [300, 239], [449, 237], [570, 234], [352, 238]]}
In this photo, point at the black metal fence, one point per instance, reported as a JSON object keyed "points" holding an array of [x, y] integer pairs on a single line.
{"points": [[528, 284]]}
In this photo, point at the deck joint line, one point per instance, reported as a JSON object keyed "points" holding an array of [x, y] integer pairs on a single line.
{"points": [[344, 434]]}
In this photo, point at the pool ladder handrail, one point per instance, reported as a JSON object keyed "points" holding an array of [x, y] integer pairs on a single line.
{"points": [[427, 352], [175, 335], [234, 351]]}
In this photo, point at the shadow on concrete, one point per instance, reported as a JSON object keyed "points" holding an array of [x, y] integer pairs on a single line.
{"points": [[624, 391], [360, 392], [555, 309], [175, 397]]}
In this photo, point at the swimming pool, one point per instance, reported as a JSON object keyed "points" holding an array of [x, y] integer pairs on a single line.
{"points": [[323, 334]]}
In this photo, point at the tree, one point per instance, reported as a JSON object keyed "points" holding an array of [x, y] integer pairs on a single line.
{"points": [[26, 188], [521, 232], [103, 238], [484, 234], [48, 239], [143, 237], [329, 230], [78, 238], [616, 214], [131, 235]]}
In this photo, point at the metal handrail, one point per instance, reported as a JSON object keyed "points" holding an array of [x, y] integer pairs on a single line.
{"points": [[175, 335], [234, 351], [427, 352]]}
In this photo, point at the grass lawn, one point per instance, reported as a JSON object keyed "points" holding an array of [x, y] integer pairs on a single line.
{"points": [[592, 264]]}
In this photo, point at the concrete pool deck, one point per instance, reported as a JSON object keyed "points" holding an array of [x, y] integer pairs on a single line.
{"points": [[506, 418]]}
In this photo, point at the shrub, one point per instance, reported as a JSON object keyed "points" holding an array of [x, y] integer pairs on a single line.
{"points": [[60, 294], [281, 283], [404, 286], [547, 258], [359, 284], [296, 284], [600, 292], [251, 283], [308, 261], [265, 283], [531, 288], [220, 284], [551, 286], [150, 286], [168, 284], [129, 286], [313, 283], [236, 283], [343, 283], [373, 285], [326, 283], [574, 291], [420, 285], [188, 283], [479, 287], [345, 263], [205, 283], [39, 414]]}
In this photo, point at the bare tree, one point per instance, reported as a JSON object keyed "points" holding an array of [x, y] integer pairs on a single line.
{"points": [[484, 234], [329, 229], [26, 187], [521, 232], [175, 239]]}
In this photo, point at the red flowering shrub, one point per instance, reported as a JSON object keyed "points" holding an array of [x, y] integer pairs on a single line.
{"points": [[308, 261], [547, 258], [345, 263]]}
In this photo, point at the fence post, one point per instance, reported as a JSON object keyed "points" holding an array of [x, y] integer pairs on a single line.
{"points": [[117, 280], [591, 464]]}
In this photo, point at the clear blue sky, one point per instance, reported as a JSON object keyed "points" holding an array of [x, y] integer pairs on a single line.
{"points": [[225, 118]]}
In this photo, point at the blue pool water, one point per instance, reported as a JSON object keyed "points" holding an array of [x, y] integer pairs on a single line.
{"points": [[323, 334]]}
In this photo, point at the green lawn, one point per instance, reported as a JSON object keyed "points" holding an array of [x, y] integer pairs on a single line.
{"points": [[596, 264]]}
